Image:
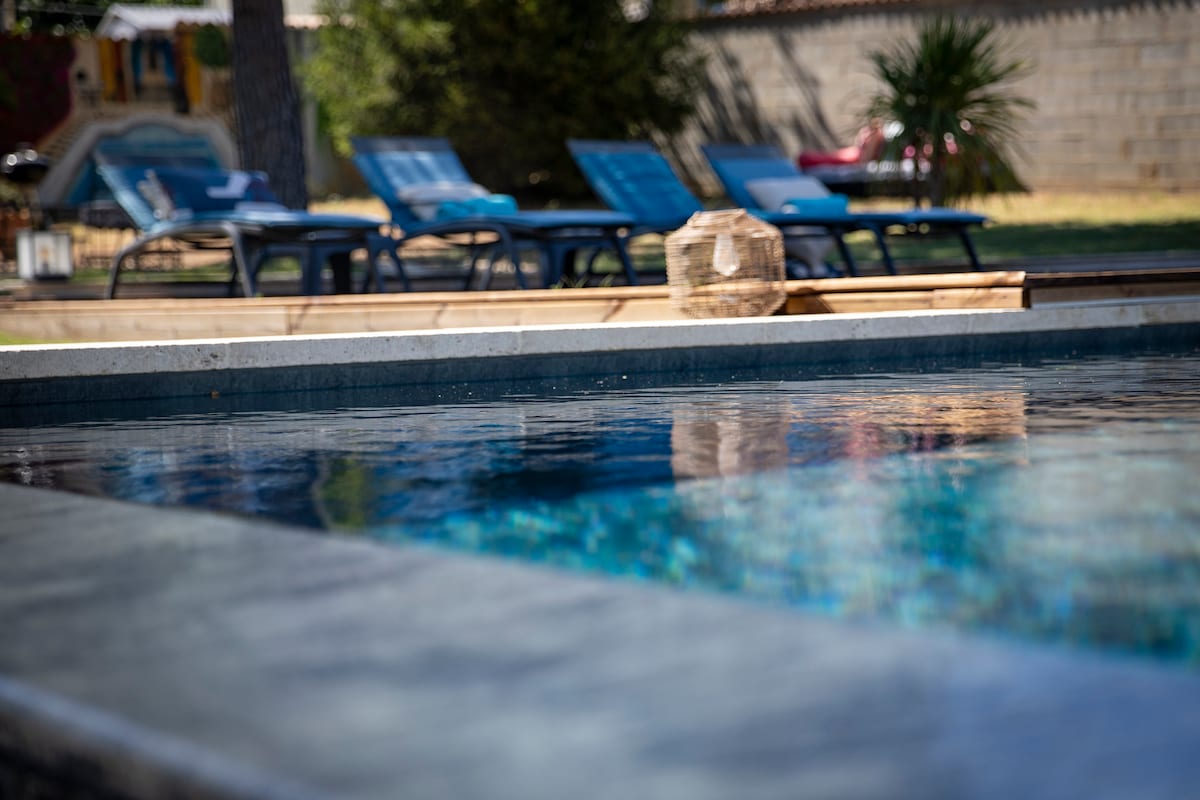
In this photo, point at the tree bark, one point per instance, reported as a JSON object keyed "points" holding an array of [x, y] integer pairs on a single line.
{"points": [[266, 103]]}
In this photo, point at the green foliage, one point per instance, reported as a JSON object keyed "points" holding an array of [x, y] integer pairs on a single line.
{"points": [[507, 81], [211, 46], [949, 92], [74, 17]]}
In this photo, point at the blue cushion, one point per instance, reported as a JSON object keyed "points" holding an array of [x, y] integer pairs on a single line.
{"points": [[491, 205], [201, 190], [833, 205], [424, 199]]}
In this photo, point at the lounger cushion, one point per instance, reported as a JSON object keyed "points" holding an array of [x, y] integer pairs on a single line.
{"points": [[799, 194], [424, 199], [492, 204], [772, 193], [196, 191], [835, 204]]}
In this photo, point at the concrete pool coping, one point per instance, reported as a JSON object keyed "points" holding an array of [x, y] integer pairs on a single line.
{"points": [[157, 652], [152, 653], [91, 372]]}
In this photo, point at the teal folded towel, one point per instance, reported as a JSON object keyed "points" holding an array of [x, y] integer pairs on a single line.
{"points": [[834, 204], [491, 205]]}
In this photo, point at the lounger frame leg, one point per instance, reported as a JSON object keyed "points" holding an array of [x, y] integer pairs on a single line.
{"points": [[620, 245], [969, 246], [241, 264], [885, 252], [114, 271], [379, 245], [839, 237], [237, 245]]}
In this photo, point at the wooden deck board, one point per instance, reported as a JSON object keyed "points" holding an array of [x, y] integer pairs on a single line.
{"points": [[178, 318]]}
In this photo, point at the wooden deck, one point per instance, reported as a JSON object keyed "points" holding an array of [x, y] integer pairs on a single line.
{"points": [[185, 318]]}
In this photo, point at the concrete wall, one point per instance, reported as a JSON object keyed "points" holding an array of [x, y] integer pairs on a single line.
{"points": [[1117, 86]]}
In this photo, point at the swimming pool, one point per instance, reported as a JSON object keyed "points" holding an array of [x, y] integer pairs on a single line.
{"points": [[1051, 501]]}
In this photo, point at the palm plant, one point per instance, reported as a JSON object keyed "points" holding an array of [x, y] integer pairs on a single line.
{"points": [[948, 92]]}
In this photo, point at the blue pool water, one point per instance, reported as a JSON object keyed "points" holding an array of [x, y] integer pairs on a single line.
{"points": [[1056, 501]]}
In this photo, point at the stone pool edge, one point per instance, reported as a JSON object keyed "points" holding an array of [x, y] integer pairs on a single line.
{"points": [[34, 374], [493, 679]]}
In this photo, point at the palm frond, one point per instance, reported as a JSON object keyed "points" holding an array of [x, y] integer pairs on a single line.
{"points": [[949, 89]]}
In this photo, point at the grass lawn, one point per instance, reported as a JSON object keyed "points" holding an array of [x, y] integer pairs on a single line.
{"points": [[1044, 225], [1035, 225]]}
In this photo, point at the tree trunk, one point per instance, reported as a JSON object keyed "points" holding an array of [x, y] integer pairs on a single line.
{"points": [[937, 173], [266, 104]]}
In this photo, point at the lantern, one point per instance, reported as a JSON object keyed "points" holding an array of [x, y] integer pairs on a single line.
{"points": [[726, 264]]}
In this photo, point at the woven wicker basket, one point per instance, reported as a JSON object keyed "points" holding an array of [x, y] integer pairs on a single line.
{"points": [[726, 264]]}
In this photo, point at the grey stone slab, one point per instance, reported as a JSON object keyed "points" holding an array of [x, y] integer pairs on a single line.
{"points": [[195, 655], [41, 362], [465, 361]]}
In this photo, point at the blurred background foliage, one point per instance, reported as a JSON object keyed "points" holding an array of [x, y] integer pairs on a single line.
{"points": [[508, 82], [73, 17]]}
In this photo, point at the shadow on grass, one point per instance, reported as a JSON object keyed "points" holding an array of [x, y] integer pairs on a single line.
{"points": [[998, 243]]}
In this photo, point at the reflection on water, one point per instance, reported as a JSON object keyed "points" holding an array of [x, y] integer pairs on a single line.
{"points": [[734, 435], [1053, 502], [728, 438]]}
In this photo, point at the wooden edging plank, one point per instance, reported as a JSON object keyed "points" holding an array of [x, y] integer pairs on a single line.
{"points": [[146, 318], [853, 302], [902, 283], [817, 286]]}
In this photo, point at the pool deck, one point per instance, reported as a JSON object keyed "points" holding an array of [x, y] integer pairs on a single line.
{"points": [[155, 653]]}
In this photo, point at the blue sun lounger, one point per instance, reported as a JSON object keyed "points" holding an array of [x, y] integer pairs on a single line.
{"points": [[632, 176], [429, 193], [760, 178], [205, 207]]}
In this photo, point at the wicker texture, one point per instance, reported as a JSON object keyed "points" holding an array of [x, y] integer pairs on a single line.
{"points": [[726, 264]]}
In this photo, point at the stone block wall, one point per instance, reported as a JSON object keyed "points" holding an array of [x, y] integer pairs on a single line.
{"points": [[1117, 86]]}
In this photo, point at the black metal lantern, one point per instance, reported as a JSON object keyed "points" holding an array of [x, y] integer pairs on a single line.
{"points": [[25, 167]]}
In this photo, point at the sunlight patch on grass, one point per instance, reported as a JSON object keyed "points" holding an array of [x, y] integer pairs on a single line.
{"points": [[1077, 208]]}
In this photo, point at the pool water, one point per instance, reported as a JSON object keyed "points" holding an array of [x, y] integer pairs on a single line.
{"points": [[1055, 501]]}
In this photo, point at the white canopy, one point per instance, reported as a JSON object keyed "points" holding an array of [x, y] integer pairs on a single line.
{"points": [[133, 22]]}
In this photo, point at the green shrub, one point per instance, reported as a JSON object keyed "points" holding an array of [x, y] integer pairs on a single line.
{"points": [[211, 46], [507, 82]]}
